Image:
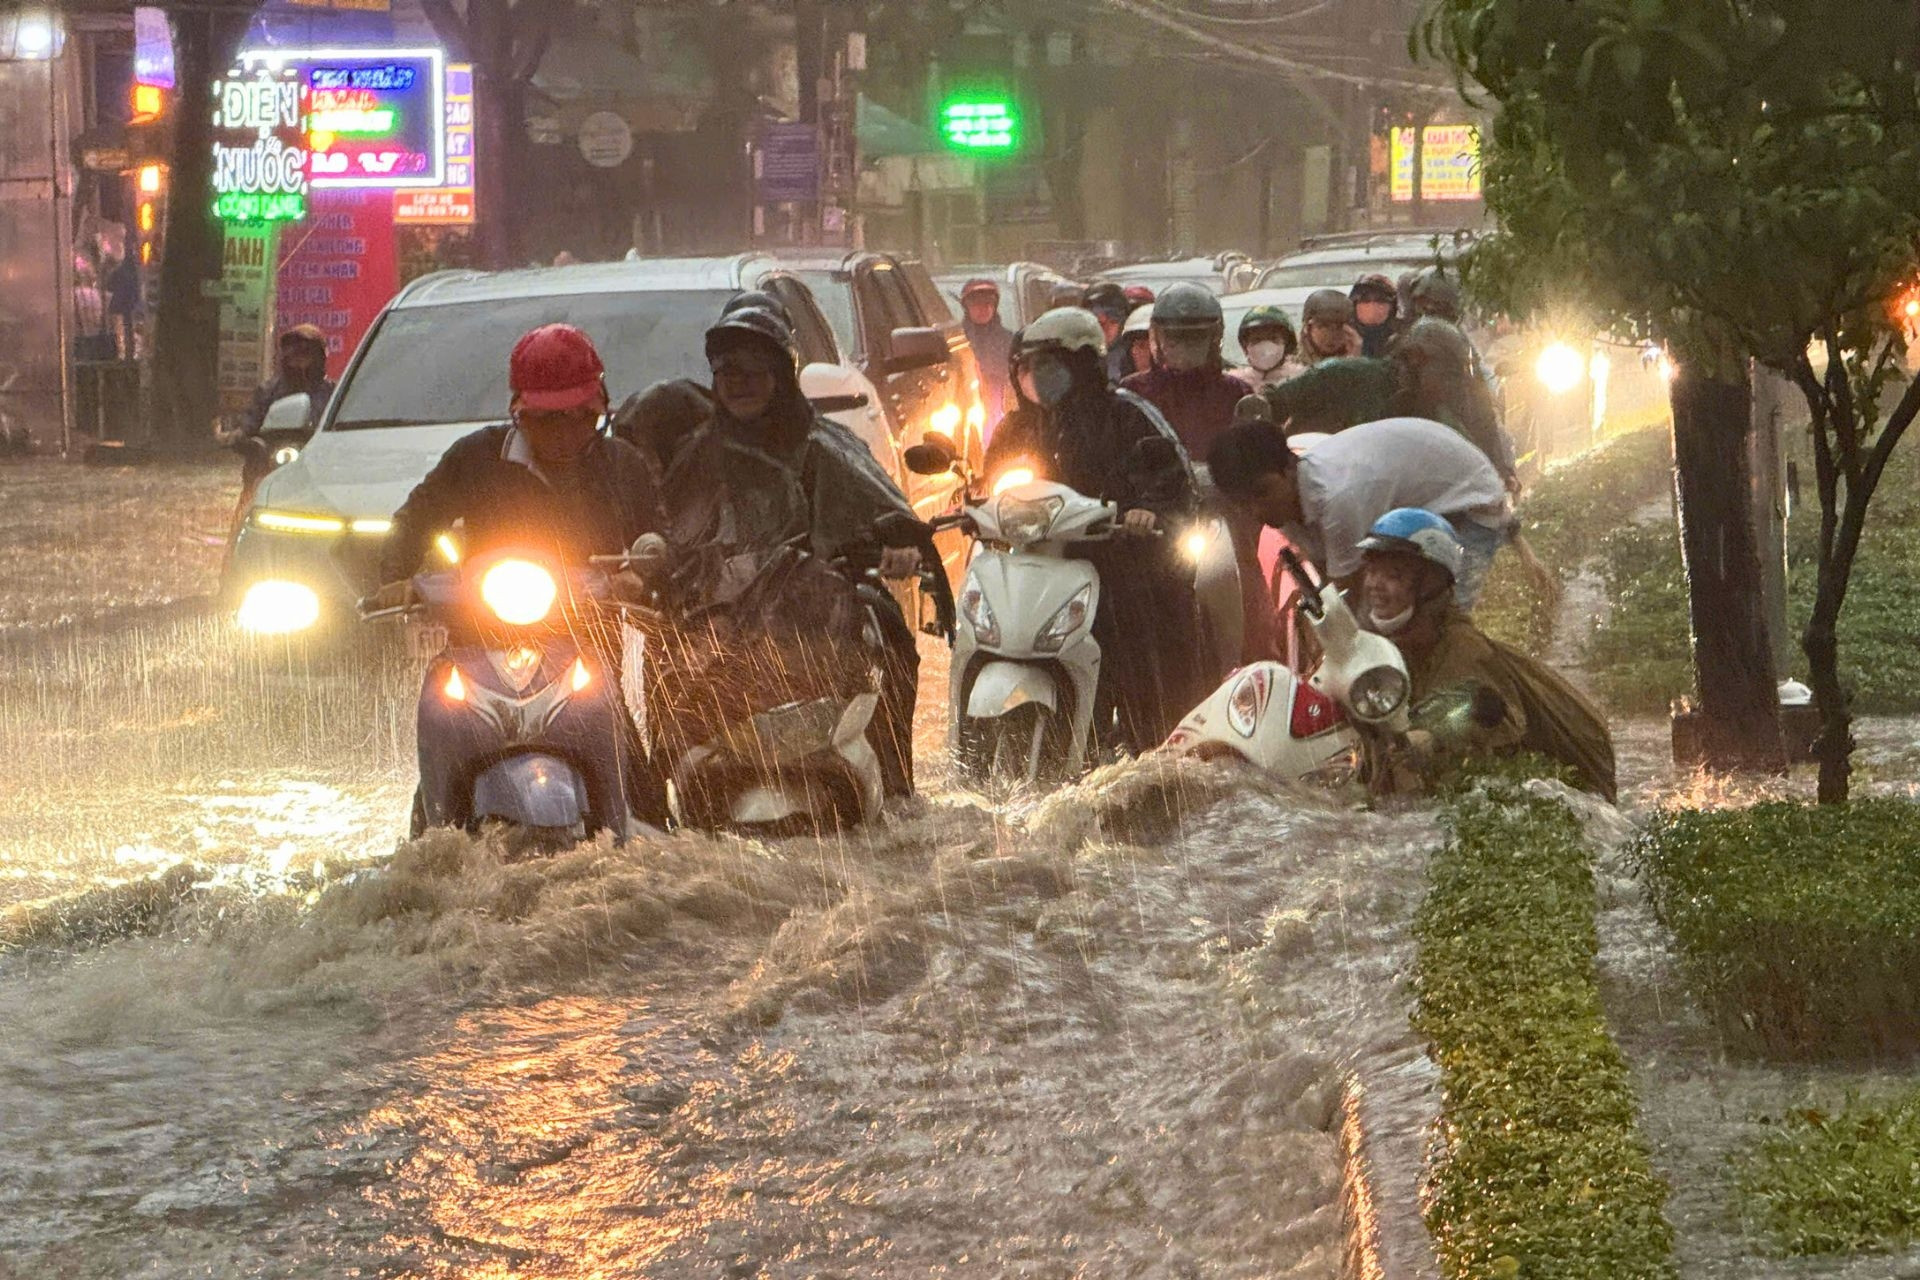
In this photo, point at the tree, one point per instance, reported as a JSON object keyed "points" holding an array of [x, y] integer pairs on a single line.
{"points": [[505, 41], [186, 320], [1738, 180]]}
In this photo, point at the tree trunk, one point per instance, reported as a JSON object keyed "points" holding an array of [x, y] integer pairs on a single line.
{"points": [[1733, 668], [186, 323], [500, 131], [1834, 748]]}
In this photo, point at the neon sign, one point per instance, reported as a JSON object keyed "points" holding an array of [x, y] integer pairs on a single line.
{"points": [[259, 147], [980, 126], [376, 115]]}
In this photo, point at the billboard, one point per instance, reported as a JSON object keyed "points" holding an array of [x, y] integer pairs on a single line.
{"points": [[451, 205], [259, 146], [1449, 163], [376, 116]]}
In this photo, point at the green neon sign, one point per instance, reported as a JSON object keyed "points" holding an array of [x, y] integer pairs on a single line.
{"points": [[260, 206], [969, 125]]}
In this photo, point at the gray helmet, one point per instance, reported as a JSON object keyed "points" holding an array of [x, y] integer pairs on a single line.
{"points": [[1109, 299], [1187, 306], [1329, 305], [1438, 342], [1435, 293], [758, 299]]}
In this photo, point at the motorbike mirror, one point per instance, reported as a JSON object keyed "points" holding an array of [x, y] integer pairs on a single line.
{"points": [[898, 529], [289, 413], [649, 556], [1253, 409], [933, 456]]}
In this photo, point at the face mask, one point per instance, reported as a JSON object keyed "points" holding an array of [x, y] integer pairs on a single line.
{"points": [[1051, 382], [1267, 356], [1185, 354], [1392, 626]]}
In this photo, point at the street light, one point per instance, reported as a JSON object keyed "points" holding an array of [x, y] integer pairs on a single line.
{"points": [[30, 35]]}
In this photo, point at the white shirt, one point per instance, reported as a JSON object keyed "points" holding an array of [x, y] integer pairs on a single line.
{"points": [[1352, 478]]}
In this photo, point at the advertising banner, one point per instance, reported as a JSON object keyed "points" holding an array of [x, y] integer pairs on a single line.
{"points": [[376, 117], [788, 163], [340, 269], [259, 146], [453, 204], [1449, 163], [247, 261]]}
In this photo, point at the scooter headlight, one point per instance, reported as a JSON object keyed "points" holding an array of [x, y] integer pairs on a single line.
{"points": [[1025, 520], [284, 454], [979, 614], [1246, 701], [1194, 544], [1378, 693], [1066, 620], [519, 592]]}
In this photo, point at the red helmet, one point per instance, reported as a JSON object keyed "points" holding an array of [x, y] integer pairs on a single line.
{"points": [[1138, 295], [979, 284], [555, 367]]}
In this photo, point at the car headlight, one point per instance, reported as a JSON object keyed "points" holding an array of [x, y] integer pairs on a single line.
{"points": [[276, 608], [519, 592], [1246, 701], [1377, 694], [1560, 368], [1066, 620], [298, 522], [1024, 520], [979, 614]]}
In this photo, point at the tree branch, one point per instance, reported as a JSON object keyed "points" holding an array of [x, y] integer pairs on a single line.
{"points": [[450, 27]]}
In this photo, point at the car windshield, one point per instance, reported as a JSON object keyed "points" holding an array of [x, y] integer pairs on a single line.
{"points": [[430, 365], [833, 290], [1337, 275]]}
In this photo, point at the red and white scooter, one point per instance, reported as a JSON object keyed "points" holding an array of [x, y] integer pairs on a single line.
{"points": [[1268, 715]]}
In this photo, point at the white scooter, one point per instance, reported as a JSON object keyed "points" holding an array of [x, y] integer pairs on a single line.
{"points": [[1025, 664], [1298, 728]]}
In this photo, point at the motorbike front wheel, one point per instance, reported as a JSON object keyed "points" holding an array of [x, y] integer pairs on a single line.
{"points": [[1011, 749]]}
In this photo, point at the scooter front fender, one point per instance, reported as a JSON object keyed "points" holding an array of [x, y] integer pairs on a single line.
{"points": [[1002, 686], [532, 790]]}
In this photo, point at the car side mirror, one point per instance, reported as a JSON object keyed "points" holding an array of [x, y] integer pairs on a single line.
{"points": [[833, 388], [292, 413], [916, 349], [1254, 408], [933, 456]]}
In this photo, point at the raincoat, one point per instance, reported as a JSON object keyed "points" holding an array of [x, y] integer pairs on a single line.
{"points": [[992, 345], [1336, 394], [1543, 711], [1148, 622], [749, 488]]}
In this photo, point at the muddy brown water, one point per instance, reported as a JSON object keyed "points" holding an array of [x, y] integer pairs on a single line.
{"points": [[1104, 1033]]}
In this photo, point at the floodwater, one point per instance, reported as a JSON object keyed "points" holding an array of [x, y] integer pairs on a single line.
{"points": [[245, 1032]]}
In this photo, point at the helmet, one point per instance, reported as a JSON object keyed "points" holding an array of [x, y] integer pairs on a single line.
{"points": [[1140, 321], [1435, 293], [303, 333], [760, 300], [555, 367], [1139, 295], [1064, 295], [1107, 298], [1413, 531], [1186, 306], [979, 284], [1440, 341], [1064, 329], [1267, 317], [751, 326], [1374, 287], [1329, 305]]}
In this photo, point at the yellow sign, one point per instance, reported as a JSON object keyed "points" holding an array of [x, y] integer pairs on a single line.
{"points": [[1449, 163]]}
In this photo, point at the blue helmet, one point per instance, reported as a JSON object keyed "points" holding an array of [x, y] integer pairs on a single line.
{"points": [[1413, 531]]}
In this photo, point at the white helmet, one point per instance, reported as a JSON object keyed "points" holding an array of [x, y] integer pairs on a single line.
{"points": [[1065, 329], [1140, 321]]}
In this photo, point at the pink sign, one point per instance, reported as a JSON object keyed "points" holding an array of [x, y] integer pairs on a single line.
{"points": [[339, 268]]}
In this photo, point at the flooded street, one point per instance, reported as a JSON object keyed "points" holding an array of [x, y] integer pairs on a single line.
{"points": [[1107, 1034]]}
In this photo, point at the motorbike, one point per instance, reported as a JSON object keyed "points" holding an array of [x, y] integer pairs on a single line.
{"points": [[520, 716], [764, 675], [1025, 663], [283, 433], [1305, 728]]}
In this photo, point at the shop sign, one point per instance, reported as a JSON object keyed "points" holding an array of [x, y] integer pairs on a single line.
{"points": [[1449, 163], [259, 147], [377, 116], [453, 204], [975, 126]]}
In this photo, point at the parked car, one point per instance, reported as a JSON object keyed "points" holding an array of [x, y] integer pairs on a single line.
{"points": [[1222, 273], [1026, 289], [434, 367]]}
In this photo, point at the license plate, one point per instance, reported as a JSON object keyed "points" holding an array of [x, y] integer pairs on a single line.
{"points": [[426, 640]]}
